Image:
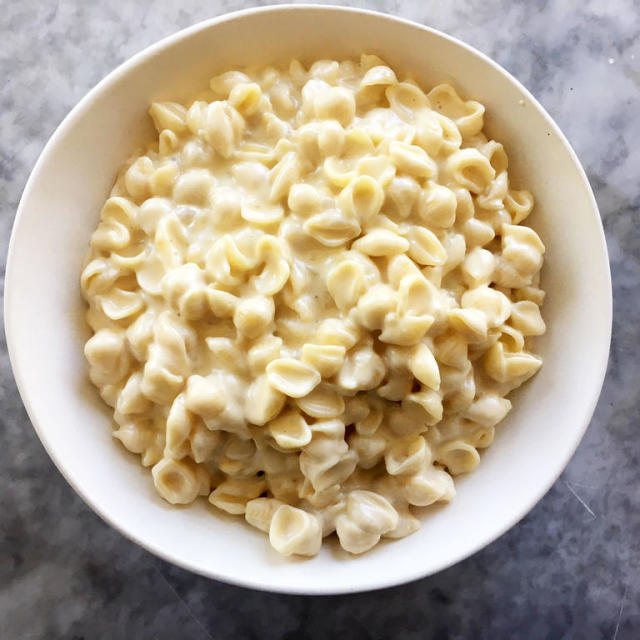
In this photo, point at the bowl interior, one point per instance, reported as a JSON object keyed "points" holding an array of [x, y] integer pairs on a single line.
{"points": [[44, 312]]}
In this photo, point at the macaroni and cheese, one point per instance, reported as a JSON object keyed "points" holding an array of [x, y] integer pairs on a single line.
{"points": [[310, 298]]}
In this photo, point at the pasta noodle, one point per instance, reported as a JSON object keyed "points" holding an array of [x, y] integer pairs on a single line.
{"points": [[310, 296]]}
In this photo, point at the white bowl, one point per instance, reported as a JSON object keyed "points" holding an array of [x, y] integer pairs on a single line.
{"points": [[45, 326]]}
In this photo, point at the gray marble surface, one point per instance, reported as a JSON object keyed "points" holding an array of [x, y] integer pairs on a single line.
{"points": [[569, 570]]}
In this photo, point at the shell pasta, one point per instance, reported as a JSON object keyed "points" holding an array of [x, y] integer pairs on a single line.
{"points": [[310, 297]]}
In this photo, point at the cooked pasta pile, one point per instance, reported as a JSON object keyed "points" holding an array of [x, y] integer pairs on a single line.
{"points": [[310, 297]]}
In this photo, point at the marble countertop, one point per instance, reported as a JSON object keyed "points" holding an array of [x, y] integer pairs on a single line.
{"points": [[570, 569]]}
